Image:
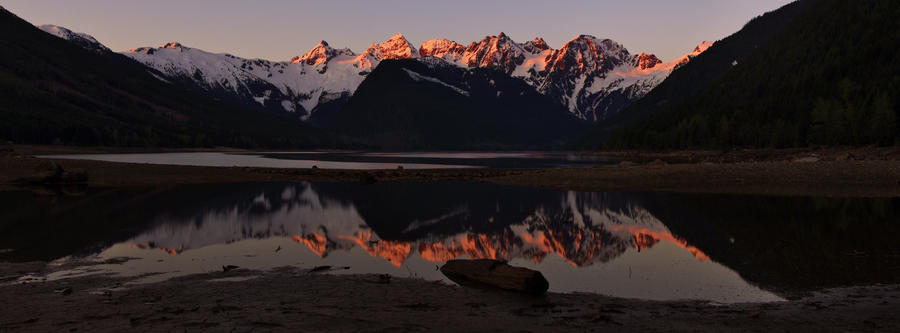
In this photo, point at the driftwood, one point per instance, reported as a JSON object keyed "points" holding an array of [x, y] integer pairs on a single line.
{"points": [[497, 274]]}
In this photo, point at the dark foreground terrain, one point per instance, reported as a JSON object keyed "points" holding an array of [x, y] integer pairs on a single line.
{"points": [[291, 299]]}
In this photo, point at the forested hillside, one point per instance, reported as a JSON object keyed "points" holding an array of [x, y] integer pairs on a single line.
{"points": [[830, 77], [53, 91]]}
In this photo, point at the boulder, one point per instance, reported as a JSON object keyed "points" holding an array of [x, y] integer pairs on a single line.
{"points": [[495, 274]]}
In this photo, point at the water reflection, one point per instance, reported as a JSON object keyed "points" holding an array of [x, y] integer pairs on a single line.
{"points": [[655, 246], [581, 228]]}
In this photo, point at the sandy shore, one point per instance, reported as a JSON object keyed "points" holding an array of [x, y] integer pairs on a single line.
{"points": [[291, 299]]}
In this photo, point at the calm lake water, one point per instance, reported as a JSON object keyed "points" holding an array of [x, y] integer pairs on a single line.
{"points": [[356, 160], [638, 245]]}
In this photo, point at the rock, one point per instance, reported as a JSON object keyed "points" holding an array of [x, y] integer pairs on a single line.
{"points": [[627, 164], [496, 274], [228, 268], [657, 162]]}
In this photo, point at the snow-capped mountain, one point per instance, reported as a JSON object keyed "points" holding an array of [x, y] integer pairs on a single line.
{"points": [[82, 39], [594, 78], [320, 77]]}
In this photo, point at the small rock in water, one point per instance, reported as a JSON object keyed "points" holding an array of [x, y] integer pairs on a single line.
{"points": [[228, 268]]}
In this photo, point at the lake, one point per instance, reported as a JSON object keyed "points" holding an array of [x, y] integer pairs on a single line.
{"points": [[357, 160], [721, 248]]}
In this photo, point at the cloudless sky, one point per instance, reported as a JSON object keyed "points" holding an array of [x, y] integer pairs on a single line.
{"points": [[281, 29]]}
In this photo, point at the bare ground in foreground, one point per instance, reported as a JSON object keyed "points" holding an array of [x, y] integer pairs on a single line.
{"points": [[291, 299]]}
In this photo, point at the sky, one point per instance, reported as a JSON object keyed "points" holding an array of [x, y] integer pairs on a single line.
{"points": [[280, 29]]}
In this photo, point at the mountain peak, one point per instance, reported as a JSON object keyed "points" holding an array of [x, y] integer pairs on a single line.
{"points": [[536, 45], [646, 60], [319, 54], [396, 47], [81, 39], [702, 47], [440, 48], [172, 45]]}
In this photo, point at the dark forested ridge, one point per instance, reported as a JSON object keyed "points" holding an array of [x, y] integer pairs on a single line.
{"points": [[419, 104], [53, 91], [830, 76]]}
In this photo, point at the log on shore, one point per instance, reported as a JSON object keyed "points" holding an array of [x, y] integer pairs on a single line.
{"points": [[497, 274]]}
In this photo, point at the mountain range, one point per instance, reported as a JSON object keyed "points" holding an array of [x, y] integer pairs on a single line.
{"points": [[800, 75], [593, 78]]}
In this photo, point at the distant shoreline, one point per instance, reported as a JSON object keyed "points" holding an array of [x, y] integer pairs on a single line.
{"points": [[836, 172]]}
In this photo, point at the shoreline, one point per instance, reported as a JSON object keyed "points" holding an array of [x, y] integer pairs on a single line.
{"points": [[862, 172], [291, 299]]}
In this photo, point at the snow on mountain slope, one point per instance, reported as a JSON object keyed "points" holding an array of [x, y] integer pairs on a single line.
{"points": [[82, 39], [593, 77], [321, 75]]}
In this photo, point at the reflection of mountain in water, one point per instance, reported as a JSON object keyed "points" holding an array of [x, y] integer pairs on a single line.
{"points": [[797, 243], [394, 220]]}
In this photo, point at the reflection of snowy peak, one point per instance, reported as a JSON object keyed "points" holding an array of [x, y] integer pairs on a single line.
{"points": [[583, 228]]}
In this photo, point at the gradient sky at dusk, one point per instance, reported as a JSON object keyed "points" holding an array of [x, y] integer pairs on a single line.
{"points": [[281, 29]]}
